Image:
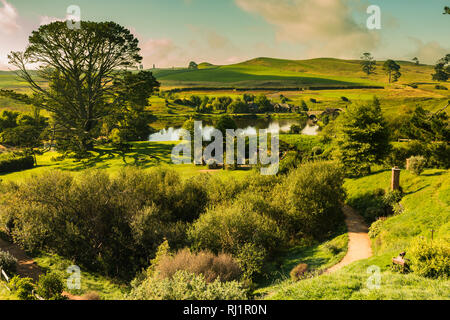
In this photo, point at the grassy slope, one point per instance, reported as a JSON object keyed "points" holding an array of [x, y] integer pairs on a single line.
{"points": [[268, 71], [427, 206]]}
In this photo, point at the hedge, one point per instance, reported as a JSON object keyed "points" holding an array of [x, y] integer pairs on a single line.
{"points": [[16, 163]]}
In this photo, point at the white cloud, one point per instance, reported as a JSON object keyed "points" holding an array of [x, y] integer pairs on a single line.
{"points": [[324, 27], [8, 18], [43, 20], [162, 53], [428, 52]]}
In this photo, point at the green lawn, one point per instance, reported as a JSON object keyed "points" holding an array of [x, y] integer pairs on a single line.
{"points": [[144, 155]]}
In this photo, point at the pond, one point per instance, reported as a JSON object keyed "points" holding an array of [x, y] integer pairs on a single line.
{"points": [[249, 126]]}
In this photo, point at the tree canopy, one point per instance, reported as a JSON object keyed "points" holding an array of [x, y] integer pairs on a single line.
{"points": [[83, 68], [368, 63], [392, 69]]}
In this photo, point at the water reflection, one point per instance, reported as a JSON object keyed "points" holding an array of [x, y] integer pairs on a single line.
{"points": [[249, 127]]}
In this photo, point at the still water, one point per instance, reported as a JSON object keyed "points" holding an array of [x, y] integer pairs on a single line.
{"points": [[249, 126]]}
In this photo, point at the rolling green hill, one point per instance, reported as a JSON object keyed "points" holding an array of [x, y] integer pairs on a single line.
{"points": [[269, 72]]}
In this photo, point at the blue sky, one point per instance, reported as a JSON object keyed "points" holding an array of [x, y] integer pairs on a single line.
{"points": [[173, 32]]}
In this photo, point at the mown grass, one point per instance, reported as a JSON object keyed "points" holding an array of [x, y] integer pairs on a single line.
{"points": [[144, 155], [427, 207]]}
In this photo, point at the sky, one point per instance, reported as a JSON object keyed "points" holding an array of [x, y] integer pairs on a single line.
{"points": [[174, 32]]}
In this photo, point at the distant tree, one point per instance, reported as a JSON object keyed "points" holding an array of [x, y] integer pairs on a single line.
{"points": [[193, 65], [304, 106], [442, 69], [248, 97], [447, 10], [225, 122], [264, 104], [393, 70], [416, 60], [368, 63], [363, 137]]}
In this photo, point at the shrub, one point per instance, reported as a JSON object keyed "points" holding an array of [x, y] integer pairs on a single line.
{"points": [[13, 163], [298, 272], [310, 198], [333, 248], [226, 228], [439, 87], [430, 259], [23, 288], [376, 228], [212, 267], [417, 164], [187, 286], [212, 165], [50, 287], [8, 263], [251, 259], [373, 213], [392, 197]]}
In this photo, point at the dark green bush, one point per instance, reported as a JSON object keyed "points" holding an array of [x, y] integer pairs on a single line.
{"points": [[13, 163], [251, 259], [50, 286], [8, 263], [376, 228]]}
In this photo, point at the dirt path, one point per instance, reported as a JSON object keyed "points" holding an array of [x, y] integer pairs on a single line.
{"points": [[26, 266], [359, 245]]}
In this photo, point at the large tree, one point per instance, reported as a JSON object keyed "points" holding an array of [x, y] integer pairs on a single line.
{"points": [[442, 69], [368, 63], [363, 137], [392, 69], [77, 73]]}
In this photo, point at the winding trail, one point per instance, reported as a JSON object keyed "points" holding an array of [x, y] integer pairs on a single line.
{"points": [[359, 245], [26, 266]]}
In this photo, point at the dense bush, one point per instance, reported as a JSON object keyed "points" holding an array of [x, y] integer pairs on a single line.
{"points": [[310, 198], [8, 263], [22, 287], [376, 228], [222, 267], [430, 259], [187, 286], [50, 287], [417, 164], [112, 225], [228, 227], [298, 272], [13, 163], [251, 260]]}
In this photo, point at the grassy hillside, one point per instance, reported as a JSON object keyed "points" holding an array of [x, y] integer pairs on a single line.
{"points": [[427, 207], [268, 72]]}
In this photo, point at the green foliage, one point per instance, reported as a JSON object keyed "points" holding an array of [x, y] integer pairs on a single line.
{"points": [[392, 69], [50, 286], [187, 286], [116, 235], [251, 259], [15, 162], [417, 164], [8, 263], [376, 228], [368, 63], [298, 272], [442, 69], [363, 138], [228, 227], [310, 198], [22, 287], [430, 259], [225, 122]]}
